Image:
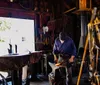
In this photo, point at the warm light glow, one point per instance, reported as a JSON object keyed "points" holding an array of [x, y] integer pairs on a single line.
{"points": [[82, 4], [11, 0]]}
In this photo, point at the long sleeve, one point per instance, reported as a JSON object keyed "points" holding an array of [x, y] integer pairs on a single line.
{"points": [[55, 50]]}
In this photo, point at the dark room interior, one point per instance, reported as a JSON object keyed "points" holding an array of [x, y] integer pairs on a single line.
{"points": [[28, 33]]}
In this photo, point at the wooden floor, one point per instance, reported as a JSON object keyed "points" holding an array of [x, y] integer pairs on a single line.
{"points": [[82, 81], [46, 82], [40, 83]]}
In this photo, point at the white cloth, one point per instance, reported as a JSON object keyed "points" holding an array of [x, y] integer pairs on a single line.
{"points": [[45, 29]]}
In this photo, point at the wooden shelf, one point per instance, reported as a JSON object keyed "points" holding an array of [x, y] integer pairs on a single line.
{"points": [[78, 11]]}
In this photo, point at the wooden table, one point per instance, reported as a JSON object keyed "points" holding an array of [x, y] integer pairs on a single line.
{"points": [[15, 62]]}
